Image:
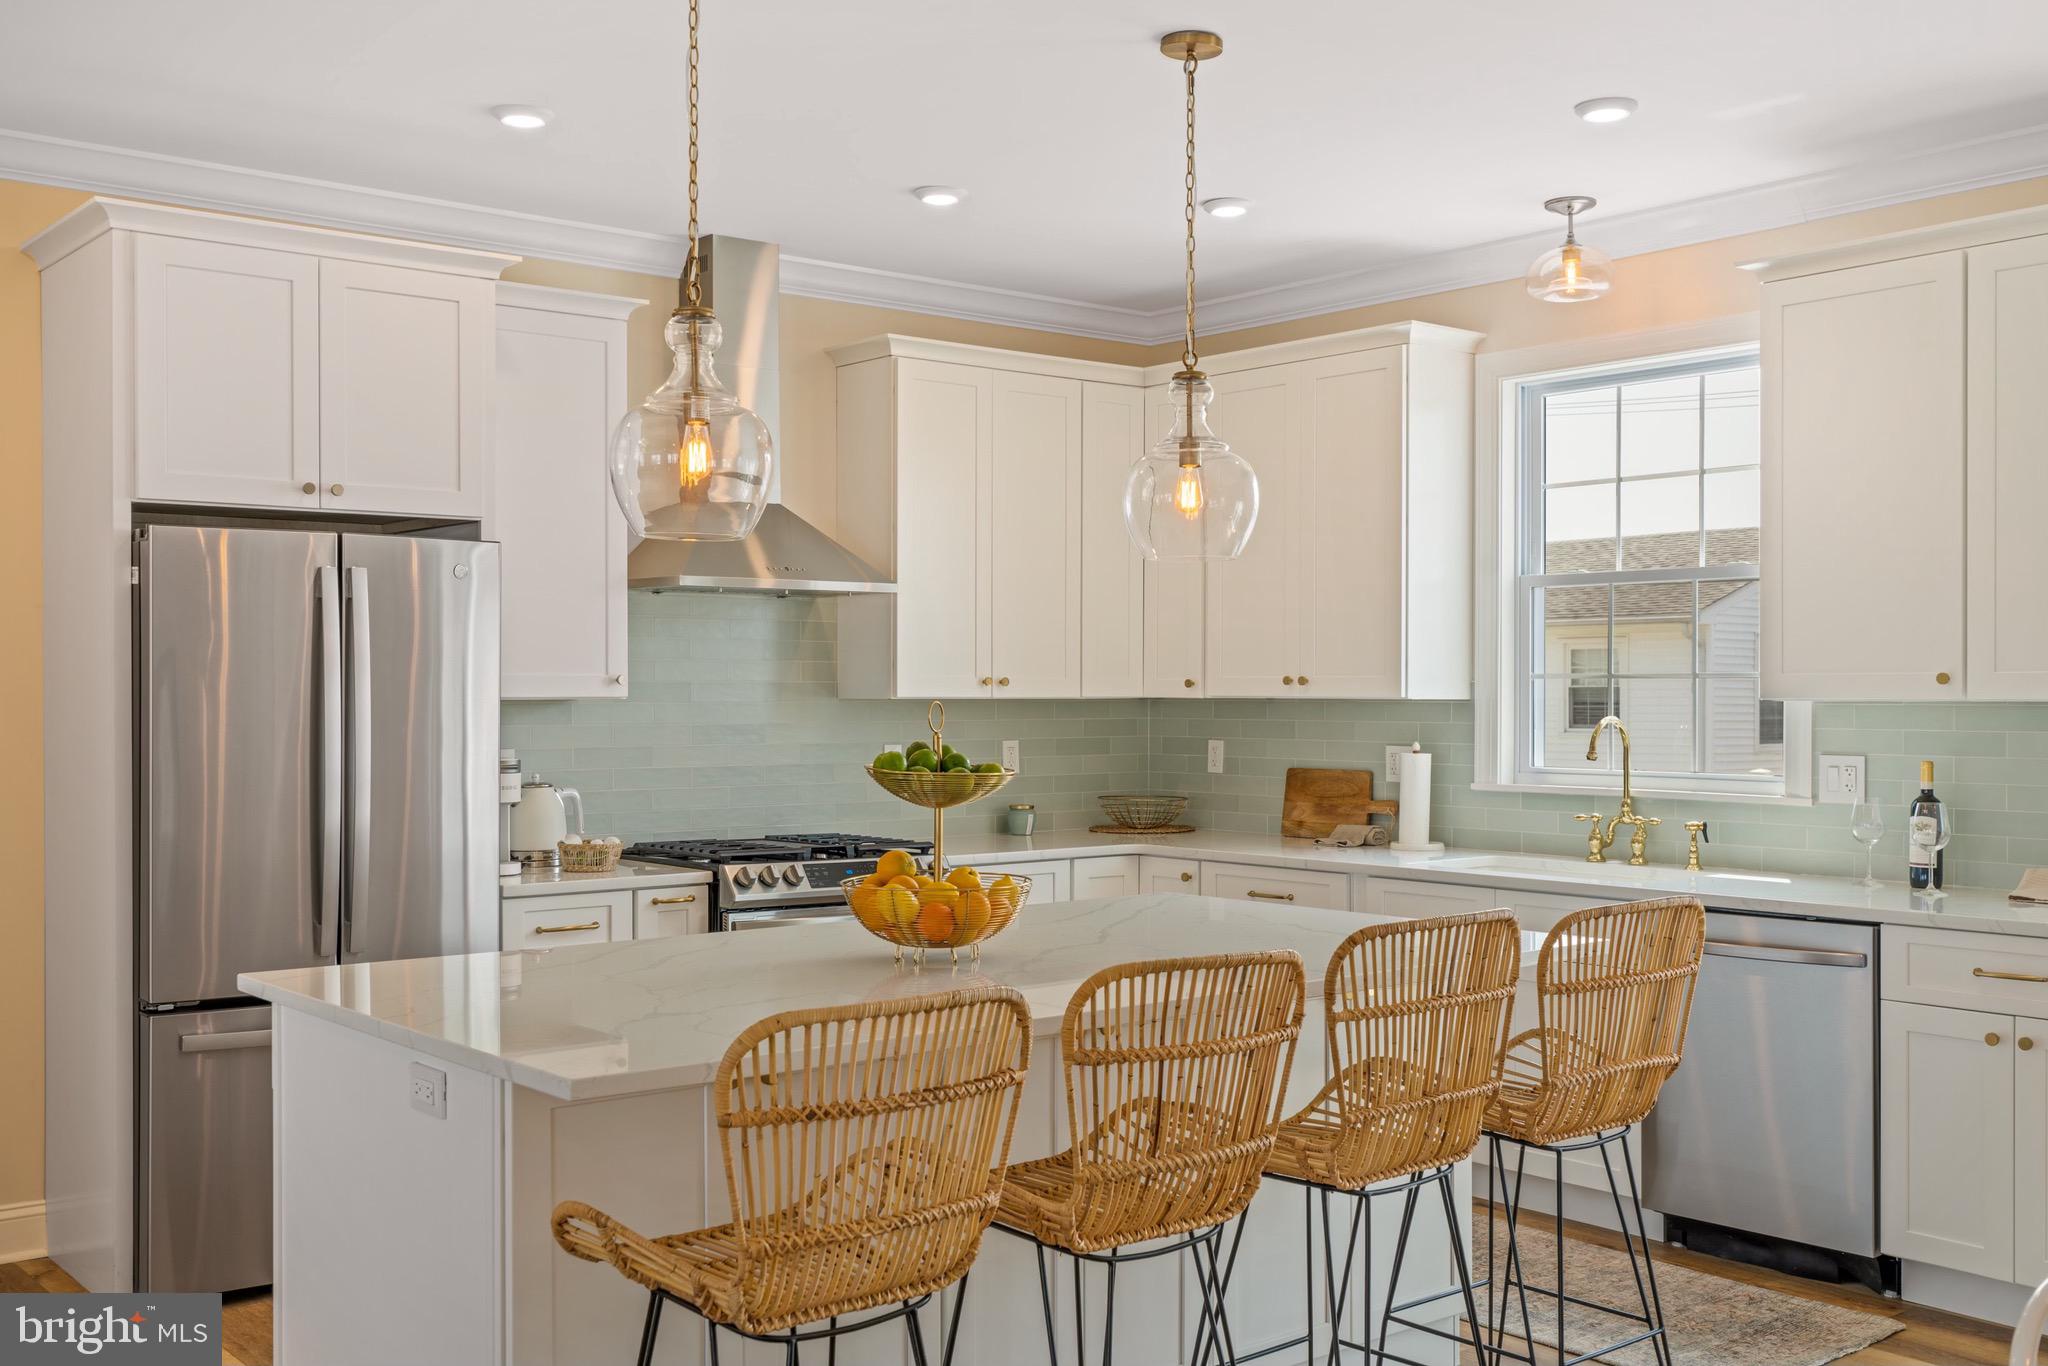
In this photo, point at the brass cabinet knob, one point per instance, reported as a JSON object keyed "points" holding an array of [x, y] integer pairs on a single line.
{"points": [[1991, 1040], [1942, 679], [334, 489], [1303, 680], [1288, 680], [309, 487], [987, 681], [2026, 1044], [1002, 682], [1187, 682], [1187, 877]]}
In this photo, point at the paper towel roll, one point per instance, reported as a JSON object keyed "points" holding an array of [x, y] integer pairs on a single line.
{"points": [[1415, 806]]}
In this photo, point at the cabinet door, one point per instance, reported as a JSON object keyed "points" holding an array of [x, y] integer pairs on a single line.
{"points": [[1156, 875], [1946, 1137], [1348, 482], [1282, 886], [561, 384], [2008, 470], [944, 492], [1035, 536], [1420, 900], [1863, 482], [1112, 570], [405, 364], [661, 912], [1050, 878], [557, 921], [1173, 596], [2030, 1152], [1250, 626], [227, 374], [1112, 875]]}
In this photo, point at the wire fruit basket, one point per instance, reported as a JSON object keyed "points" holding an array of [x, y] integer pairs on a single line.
{"points": [[937, 914], [1142, 810]]}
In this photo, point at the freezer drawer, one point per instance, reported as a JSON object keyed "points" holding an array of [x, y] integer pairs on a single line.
{"points": [[204, 1183]]}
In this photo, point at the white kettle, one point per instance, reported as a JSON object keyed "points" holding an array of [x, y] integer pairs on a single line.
{"points": [[541, 821]]}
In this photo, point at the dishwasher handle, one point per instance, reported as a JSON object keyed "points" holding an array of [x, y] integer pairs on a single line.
{"points": [[1818, 958]]}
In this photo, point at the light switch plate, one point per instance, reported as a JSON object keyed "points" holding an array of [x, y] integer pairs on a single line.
{"points": [[1392, 774], [1842, 779], [1012, 753], [429, 1090], [1215, 756]]}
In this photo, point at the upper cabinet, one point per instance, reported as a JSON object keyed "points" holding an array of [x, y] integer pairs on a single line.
{"points": [[990, 483], [1903, 478], [561, 385], [290, 368]]}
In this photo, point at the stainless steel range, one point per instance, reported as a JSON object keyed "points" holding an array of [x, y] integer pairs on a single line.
{"points": [[778, 880]]}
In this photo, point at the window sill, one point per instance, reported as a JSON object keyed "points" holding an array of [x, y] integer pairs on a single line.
{"points": [[1642, 790]]}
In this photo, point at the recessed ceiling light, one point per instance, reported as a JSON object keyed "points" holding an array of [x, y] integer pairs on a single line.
{"points": [[524, 117], [1606, 109], [1227, 206], [939, 196]]}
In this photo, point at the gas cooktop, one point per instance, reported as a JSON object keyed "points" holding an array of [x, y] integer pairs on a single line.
{"points": [[771, 849]]}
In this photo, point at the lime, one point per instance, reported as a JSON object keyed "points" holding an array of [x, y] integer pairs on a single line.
{"points": [[916, 747], [988, 768], [948, 752], [955, 763], [889, 761], [925, 761]]}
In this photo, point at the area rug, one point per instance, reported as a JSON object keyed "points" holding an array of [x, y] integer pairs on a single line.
{"points": [[1710, 1321]]}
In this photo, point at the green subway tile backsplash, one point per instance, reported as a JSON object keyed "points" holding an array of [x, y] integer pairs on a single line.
{"points": [[735, 726]]}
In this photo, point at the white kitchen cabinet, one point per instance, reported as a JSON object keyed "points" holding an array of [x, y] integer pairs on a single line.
{"points": [[1283, 886], [659, 912], [2007, 471], [1112, 571], [227, 373], [1946, 1138], [962, 480], [564, 918], [1157, 875], [2030, 1151], [561, 385], [1422, 900], [1863, 482], [1051, 879], [1173, 594], [1110, 875]]}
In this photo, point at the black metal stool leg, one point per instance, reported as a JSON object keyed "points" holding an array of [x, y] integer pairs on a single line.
{"points": [[832, 1343], [1512, 1274], [1635, 1196], [1052, 1346], [1557, 1236], [1394, 1275], [789, 1356], [650, 1328], [1080, 1347], [1443, 1182], [953, 1333], [916, 1331], [1109, 1314], [1360, 1207], [711, 1331], [1308, 1265]]}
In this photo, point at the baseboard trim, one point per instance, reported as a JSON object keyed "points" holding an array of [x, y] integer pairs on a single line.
{"points": [[23, 1232]]}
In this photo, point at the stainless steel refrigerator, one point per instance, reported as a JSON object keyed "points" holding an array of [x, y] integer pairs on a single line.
{"points": [[316, 782]]}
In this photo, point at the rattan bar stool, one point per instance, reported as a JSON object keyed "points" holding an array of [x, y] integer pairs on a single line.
{"points": [[1614, 989], [1415, 1014], [864, 1149], [1175, 1072]]}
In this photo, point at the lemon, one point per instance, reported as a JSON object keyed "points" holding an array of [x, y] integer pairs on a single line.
{"points": [[895, 863], [966, 879]]}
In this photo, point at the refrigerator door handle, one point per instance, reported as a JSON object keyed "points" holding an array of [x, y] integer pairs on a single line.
{"points": [[359, 734], [327, 908], [215, 1043]]}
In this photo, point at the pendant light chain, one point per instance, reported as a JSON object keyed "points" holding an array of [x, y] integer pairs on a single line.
{"points": [[1188, 357], [692, 287]]}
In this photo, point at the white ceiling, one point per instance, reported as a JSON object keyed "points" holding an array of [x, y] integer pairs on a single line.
{"points": [[1436, 127]]}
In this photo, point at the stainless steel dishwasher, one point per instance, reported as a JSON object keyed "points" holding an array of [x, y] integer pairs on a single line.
{"points": [[1767, 1133]]}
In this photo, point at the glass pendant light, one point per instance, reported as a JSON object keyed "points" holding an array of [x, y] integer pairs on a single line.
{"points": [[1571, 274], [691, 462], [1191, 497]]}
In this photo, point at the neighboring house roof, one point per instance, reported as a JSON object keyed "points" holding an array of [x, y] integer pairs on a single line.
{"points": [[1642, 601]]}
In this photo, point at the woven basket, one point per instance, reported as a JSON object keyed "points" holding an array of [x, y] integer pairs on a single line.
{"points": [[928, 920], [590, 855], [939, 790], [1142, 810]]}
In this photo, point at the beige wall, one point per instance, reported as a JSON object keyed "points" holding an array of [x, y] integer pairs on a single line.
{"points": [[1660, 289]]}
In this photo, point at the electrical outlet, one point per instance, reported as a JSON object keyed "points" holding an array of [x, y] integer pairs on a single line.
{"points": [[1013, 754], [1842, 778], [430, 1090], [892, 749], [1392, 774], [1215, 756]]}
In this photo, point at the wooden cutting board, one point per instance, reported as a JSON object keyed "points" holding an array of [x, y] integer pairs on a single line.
{"points": [[1318, 800]]}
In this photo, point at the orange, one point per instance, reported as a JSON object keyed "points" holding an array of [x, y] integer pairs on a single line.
{"points": [[935, 922], [896, 863], [966, 879], [975, 912], [910, 883], [875, 879]]}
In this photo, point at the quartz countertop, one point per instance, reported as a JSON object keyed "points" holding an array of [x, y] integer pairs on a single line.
{"points": [[630, 873], [612, 1019], [1734, 889]]}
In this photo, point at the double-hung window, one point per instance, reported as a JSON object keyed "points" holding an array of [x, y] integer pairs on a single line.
{"points": [[1634, 582]]}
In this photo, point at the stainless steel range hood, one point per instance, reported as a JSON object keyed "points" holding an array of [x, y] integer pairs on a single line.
{"points": [[785, 555]]}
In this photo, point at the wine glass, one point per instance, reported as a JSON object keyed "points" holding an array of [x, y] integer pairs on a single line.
{"points": [[1866, 825]]}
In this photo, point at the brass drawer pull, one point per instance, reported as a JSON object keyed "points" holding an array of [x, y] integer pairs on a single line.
{"points": [[2008, 976], [2026, 1044], [673, 900], [1270, 896], [1991, 1040], [568, 929], [1187, 877]]}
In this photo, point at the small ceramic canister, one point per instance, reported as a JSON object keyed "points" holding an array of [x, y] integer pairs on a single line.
{"points": [[1021, 818]]}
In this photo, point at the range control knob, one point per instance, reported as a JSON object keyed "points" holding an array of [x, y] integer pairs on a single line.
{"points": [[792, 876], [743, 878]]}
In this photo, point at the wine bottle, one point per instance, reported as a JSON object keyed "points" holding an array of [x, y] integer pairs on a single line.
{"points": [[1926, 832]]}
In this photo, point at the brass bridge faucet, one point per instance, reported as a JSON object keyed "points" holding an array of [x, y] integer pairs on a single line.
{"points": [[1599, 841]]}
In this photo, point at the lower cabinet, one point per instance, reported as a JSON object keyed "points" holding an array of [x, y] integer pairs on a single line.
{"points": [[1420, 900], [549, 922], [1286, 886], [1111, 875], [1050, 878], [664, 911], [1156, 875]]}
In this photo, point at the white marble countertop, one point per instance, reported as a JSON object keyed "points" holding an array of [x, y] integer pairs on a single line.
{"points": [[1825, 898], [629, 875], [612, 1019]]}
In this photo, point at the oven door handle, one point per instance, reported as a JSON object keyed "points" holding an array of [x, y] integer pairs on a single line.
{"points": [[1766, 953]]}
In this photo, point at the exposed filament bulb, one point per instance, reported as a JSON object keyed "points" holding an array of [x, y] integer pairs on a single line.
{"points": [[1187, 492], [694, 466], [1570, 261]]}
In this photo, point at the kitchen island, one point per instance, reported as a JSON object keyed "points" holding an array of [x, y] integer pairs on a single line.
{"points": [[431, 1112]]}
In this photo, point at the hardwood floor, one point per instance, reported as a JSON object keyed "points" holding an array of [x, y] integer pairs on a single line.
{"points": [[1930, 1337]]}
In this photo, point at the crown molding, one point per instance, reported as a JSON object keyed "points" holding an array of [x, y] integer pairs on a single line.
{"points": [[1973, 164]]}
